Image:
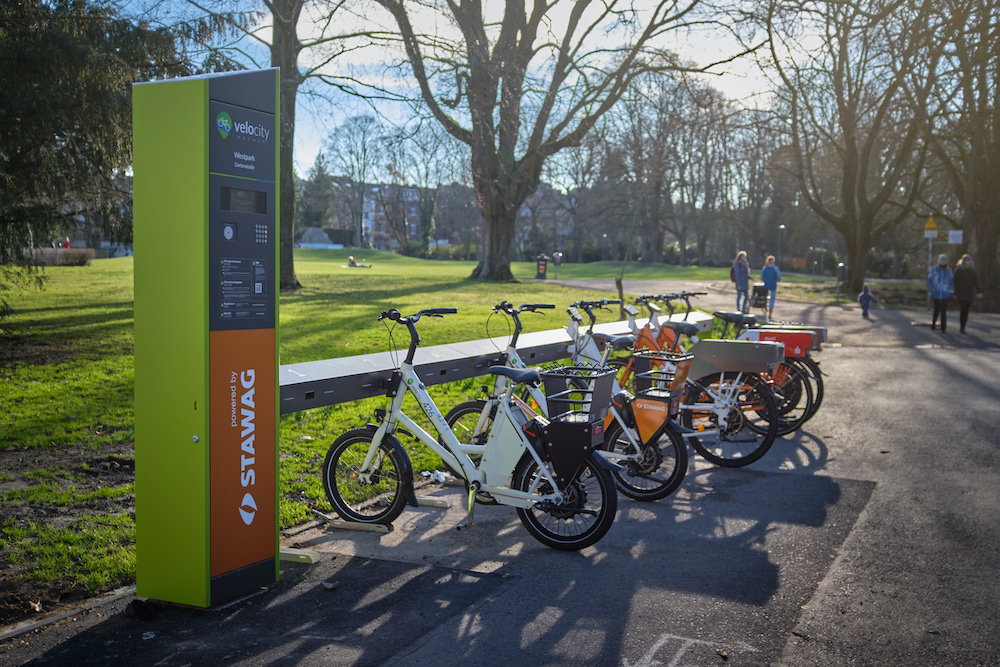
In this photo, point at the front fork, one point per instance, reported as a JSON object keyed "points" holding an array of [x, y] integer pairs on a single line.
{"points": [[387, 427]]}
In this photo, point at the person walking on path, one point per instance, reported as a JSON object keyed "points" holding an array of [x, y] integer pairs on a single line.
{"points": [[966, 289], [940, 287], [866, 299], [770, 275], [741, 276]]}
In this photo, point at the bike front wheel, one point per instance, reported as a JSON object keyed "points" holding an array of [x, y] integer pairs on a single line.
{"points": [[655, 469], [368, 496], [737, 414], [585, 515]]}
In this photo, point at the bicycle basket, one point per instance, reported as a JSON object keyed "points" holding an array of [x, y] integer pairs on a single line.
{"points": [[658, 373], [578, 393]]}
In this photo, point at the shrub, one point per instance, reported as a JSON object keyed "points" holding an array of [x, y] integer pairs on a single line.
{"points": [[75, 256]]}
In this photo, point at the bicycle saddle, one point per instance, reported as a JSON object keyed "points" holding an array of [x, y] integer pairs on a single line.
{"points": [[750, 321], [616, 342], [682, 328], [518, 375]]}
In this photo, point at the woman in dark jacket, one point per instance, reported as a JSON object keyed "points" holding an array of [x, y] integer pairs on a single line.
{"points": [[741, 276], [966, 288]]}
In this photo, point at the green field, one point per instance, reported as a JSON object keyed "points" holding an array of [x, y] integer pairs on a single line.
{"points": [[66, 386]]}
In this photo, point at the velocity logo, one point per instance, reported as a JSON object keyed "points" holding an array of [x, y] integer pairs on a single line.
{"points": [[224, 124]]}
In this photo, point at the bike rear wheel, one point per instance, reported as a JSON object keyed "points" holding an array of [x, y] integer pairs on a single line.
{"points": [[373, 496], [660, 467], [815, 377], [793, 396], [749, 418], [587, 512]]}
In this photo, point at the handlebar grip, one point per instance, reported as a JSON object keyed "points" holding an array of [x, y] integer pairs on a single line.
{"points": [[439, 311]]}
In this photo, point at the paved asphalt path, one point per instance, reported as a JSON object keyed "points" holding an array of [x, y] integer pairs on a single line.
{"points": [[870, 537]]}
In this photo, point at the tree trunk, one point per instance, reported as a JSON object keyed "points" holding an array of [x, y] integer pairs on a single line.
{"points": [[494, 264], [857, 261], [286, 185], [285, 48]]}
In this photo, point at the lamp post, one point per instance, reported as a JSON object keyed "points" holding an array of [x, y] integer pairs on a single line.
{"points": [[604, 245], [781, 232], [739, 220]]}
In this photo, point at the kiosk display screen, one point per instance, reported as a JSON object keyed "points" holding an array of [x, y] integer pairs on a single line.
{"points": [[243, 201]]}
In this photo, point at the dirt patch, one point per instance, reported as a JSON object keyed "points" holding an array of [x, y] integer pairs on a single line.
{"points": [[32, 352], [87, 471]]}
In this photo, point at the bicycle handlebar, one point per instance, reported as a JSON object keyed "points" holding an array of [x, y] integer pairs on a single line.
{"points": [[396, 316], [588, 307], [508, 307]]}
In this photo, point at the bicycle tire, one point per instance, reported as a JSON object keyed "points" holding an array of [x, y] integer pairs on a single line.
{"points": [[751, 420], [815, 377], [462, 419], [377, 499], [662, 465], [793, 396], [589, 507]]}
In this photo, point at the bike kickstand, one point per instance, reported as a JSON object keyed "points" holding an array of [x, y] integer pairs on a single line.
{"points": [[467, 521]]}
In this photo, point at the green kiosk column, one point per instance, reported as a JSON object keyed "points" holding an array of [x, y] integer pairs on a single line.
{"points": [[206, 358]]}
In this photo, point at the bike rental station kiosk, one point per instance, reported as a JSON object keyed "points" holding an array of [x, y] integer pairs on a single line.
{"points": [[206, 342]]}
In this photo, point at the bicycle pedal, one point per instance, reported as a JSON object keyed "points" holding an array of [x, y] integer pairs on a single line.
{"points": [[464, 524]]}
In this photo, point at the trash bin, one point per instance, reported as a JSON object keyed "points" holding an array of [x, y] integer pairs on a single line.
{"points": [[543, 262]]}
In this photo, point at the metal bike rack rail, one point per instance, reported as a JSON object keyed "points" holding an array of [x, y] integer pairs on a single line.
{"points": [[316, 384]]}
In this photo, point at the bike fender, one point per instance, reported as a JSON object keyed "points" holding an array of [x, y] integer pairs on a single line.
{"points": [[407, 472]]}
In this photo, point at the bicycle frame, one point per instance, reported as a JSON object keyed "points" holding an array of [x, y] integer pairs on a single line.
{"points": [[504, 448]]}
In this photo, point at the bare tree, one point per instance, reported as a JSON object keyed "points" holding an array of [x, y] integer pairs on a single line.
{"points": [[964, 122], [354, 149], [651, 114], [857, 147], [520, 86], [593, 177], [430, 158]]}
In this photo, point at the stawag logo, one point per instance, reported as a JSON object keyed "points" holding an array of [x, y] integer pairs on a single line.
{"points": [[225, 124], [248, 506]]}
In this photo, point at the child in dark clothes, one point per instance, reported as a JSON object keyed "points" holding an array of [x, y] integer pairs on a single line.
{"points": [[866, 299]]}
